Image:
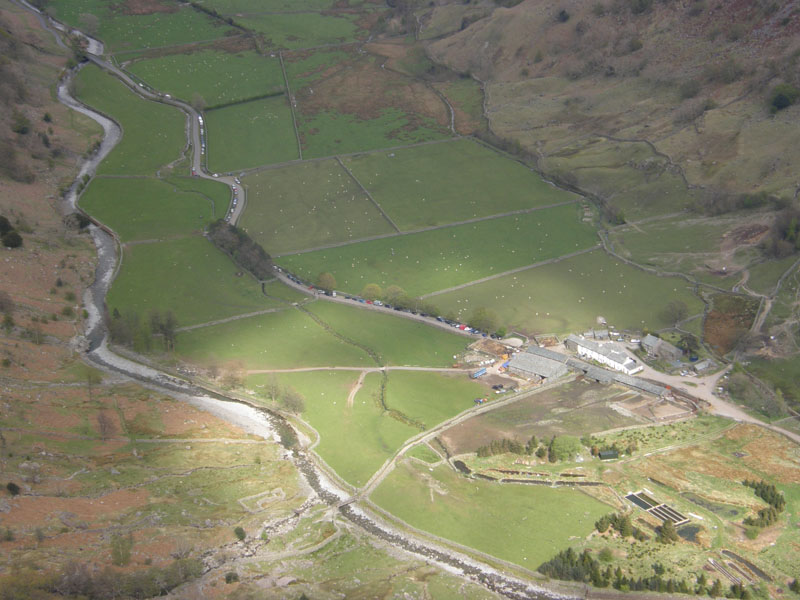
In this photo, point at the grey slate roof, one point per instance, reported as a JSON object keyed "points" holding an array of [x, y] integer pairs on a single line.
{"points": [[530, 363]]}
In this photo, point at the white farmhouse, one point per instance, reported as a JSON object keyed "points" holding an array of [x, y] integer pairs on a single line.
{"points": [[604, 354]]}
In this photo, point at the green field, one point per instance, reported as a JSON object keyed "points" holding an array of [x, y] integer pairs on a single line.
{"points": [[146, 209], [442, 183], [125, 32], [153, 133], [424, 262], [303, 30], [218, 77], [187, 276], [308, 205], [522, 524], [283, 340], [250, 134], [764, 276], [569, 296], [396, 340], [430, 398], [255, 6], [356, 440], [424, 453], [216, 192], [327, 133]]}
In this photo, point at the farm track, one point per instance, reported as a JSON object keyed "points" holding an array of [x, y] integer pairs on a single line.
{"points": [[522, 211]]}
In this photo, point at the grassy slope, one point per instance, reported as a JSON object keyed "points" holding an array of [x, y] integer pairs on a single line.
{"points": [[397, 341], [424, 262], [328, 133], [188, 276], [442, 183], [307, 205], [303, 30], [522, 524], [284, 340], [219, 77], [357, 440], [146, 209], [250, 134], [430, 398], [570, 295], [152, 133]]}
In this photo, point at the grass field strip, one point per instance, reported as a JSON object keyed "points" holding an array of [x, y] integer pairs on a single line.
{"points": [[289, 163], [542, 263], [366, 192], [168, 46], [291, 105], [522, 211], [234, 318]]}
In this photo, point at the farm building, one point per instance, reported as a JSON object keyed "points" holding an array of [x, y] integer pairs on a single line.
{"points": [[603, 353], [533, 365], [704, 365], [658, 348], [608, 454]]}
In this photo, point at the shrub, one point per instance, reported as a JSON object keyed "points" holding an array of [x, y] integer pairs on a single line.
{"points": [[562, 16], [240, 534], [12, 488], [783, 96], [12, 239], [231, 577], [5, 225], [690, 88]]}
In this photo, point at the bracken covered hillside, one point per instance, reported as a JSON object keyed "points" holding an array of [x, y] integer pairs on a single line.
{"points": [[694, 77]]}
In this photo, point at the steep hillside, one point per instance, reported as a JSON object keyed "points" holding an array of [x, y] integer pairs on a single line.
{"points": [[695, 78]]}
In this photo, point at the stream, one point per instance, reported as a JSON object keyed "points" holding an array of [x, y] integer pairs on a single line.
{"points": [[258, 421]]}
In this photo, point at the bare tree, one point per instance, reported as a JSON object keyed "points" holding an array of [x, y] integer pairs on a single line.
{"points": [[105, 425]]}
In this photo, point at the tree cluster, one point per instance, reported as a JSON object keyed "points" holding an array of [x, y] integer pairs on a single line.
{"points": [[9, 236], [769, 494], [130, 330], [622, 524], [667, 533], [241, 248], [286, 397], [573, 566], [784, 236]]}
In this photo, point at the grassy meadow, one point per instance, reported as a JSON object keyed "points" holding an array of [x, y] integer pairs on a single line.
{"points": [[188, 276], [303, 30], [147, 209], [308, 205], [430, 398], [424, 262], [126, 32], [328, 133], [443, 183], [250, 134], [397, 341], [522, 524], [569, 296], [218, 77], [355, 441], [282, 340], [153, 133]]}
